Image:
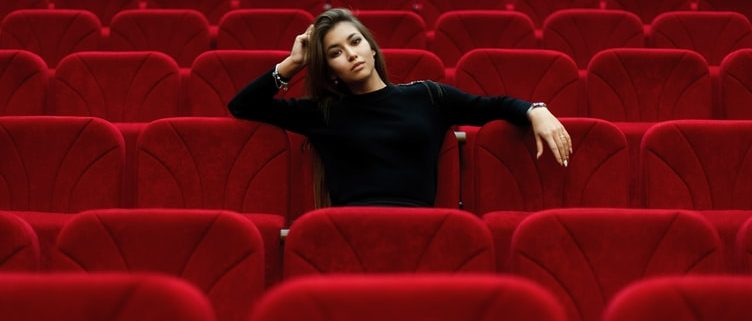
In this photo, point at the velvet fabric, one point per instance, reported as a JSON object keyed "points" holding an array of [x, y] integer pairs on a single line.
{"points": [[742, 6], [40, 32], [367, 5], [402, 298], [634, 132], [103, 9], [395, 28], [647, 10], [541, 10], [23, 83], [62, 297], [406, 65], [19, 246], [736, 85], [116, 86], [181, 34], [221, 253], [314, 7], [213, 10], [698, 164], [744, 247], [433, 10], [387, 240], [262, 29], [585, 256], [7, 7], [502, 225], [648, 85]]}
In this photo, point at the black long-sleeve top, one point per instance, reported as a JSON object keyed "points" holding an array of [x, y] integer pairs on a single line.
{"points": [[382, 146]]}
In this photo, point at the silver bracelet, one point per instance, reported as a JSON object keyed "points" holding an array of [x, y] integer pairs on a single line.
{"points": [[278, 81], [536, 105]]}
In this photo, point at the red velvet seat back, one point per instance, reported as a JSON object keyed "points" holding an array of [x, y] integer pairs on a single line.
{"points": [[357, 5], [649, 9], [23, 83], [262, 29], [313, 6], [432, 10], [736, 85], [741, 6], [540, 10], [213, 10], [744, 246], [19, 246], [395, 29], [406, 65], [7, 7], [104, 9]]}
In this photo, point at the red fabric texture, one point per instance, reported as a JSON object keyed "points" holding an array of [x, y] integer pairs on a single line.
{"points": [[448, 178], [540, 10], [181, 34], [104, 9], [395, 29], [742, 6], [647, 10], [312, 6], [728, 223], [634, 132], [33, 297], [116, 86], [507, 176], [744, 247], [262, 29], [703, 165], [59, 164], [425, 297], [23, 83], [582, 33], [502, 225], [719, 298], [213, 10], [46, 226], [647, 85], [221, 253], [457, 33], [369, 5], [216, 76], [51, 34], [711, 34], [533, 75], [406, 65], [433, 10], [736, 85], [19, 246], [387, 240], [585, 256], [7, 7]]}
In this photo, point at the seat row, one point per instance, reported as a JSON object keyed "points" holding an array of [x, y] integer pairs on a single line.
{"points": [[584, 257]]}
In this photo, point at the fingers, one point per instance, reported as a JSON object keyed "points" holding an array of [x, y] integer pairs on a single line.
{"points": [[538, 146], [554, 148], [562, 145]]}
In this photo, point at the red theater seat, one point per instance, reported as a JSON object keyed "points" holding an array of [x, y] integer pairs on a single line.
{"points": [[585, 256], [437, 298], [395, 29], [181, 34], [116, 86], [213, 10], [19, 246], [406, 65], [104, 9], [431, 10], [533, 75], [262, 29], [539, 10], [582, 33], [314, 7], [648, 85], [387, 240], [23, 83], [356, 5], [736, 85], [7, 7], [741, 6], [744, 247], [51, 34], [703, 165], [719, 298], [27, 297], [649, 9]]}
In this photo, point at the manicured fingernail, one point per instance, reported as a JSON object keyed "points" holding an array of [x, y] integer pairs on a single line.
{"points": [[565, 163]]}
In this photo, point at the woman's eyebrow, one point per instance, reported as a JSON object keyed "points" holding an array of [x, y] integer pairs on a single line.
{"points": [[348, 38]]}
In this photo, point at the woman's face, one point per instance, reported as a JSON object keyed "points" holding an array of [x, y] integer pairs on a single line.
{"points": [[348, 54]]}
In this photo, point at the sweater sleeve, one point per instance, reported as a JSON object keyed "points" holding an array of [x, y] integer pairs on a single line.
{"points": [[462, 108], [256, 102]]}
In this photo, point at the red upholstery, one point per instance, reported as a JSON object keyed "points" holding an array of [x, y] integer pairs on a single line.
{"points": [[736, 85], [457, 33], [406, 65], [356, 5], [388, 239], [28, 297], [51, 34], [728, 223], [646, 85], [213, 10], [744, 246], [217, 76], [505, 174], [23, 83], [502, 225], [432, 10], [219, 252], [539, 10], [585, 256], [742, 6], [7, 7], [19, 246], [699, 165], [634, 132], [181, 34], [649, 9], [719, 298], [395, 29], [533, 75], [255, 29], [448, 186], [438, 298], [116, 86], [60, 164], [582, 33], [313, 6], [104, 9], [712, 34]]}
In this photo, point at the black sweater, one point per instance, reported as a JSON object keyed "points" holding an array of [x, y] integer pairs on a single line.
{"points": [[379, 147]]}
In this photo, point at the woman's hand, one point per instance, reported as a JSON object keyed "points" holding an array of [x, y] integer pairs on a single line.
{"points": [[298, 58], [547, 128]]}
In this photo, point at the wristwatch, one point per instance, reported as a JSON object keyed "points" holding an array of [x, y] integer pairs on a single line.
{"points": [[536, 105]]}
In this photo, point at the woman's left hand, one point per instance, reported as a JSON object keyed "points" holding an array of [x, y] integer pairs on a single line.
{"points": [[547, 128]]}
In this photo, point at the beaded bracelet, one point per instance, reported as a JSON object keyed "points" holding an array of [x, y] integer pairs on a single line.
{"points": [[280, 82]]}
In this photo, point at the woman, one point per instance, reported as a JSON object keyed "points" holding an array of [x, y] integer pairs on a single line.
{"points": [[379, 143]]}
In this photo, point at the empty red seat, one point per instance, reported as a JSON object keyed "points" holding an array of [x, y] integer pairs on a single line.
{"points": [[213, 10], [720, 298], [51, 34], [27, 297], [647, 10], [104, 9], [585, 256], [741, 6], [736, 85], [432, 10], [266, 29], [697, 164], [540, 10], [406, 65], [582, 33], [425, 297], [395, 29], [221, 253], [648, 85], [7, 7], [744, 247], [357, 5], [116, 86], [533, 75], [312, 6], [19, 246], [23, 83], [387, 240], [181, 34]]}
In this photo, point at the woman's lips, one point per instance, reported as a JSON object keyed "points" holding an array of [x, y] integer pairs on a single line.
{"points": [[357, 65]]}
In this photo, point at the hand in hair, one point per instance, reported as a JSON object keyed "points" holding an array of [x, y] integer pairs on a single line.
{"points": [[298, 58]]}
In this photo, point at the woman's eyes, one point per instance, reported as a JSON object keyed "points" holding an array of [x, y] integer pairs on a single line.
{"points": [[335, 53], [356, 41]]}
